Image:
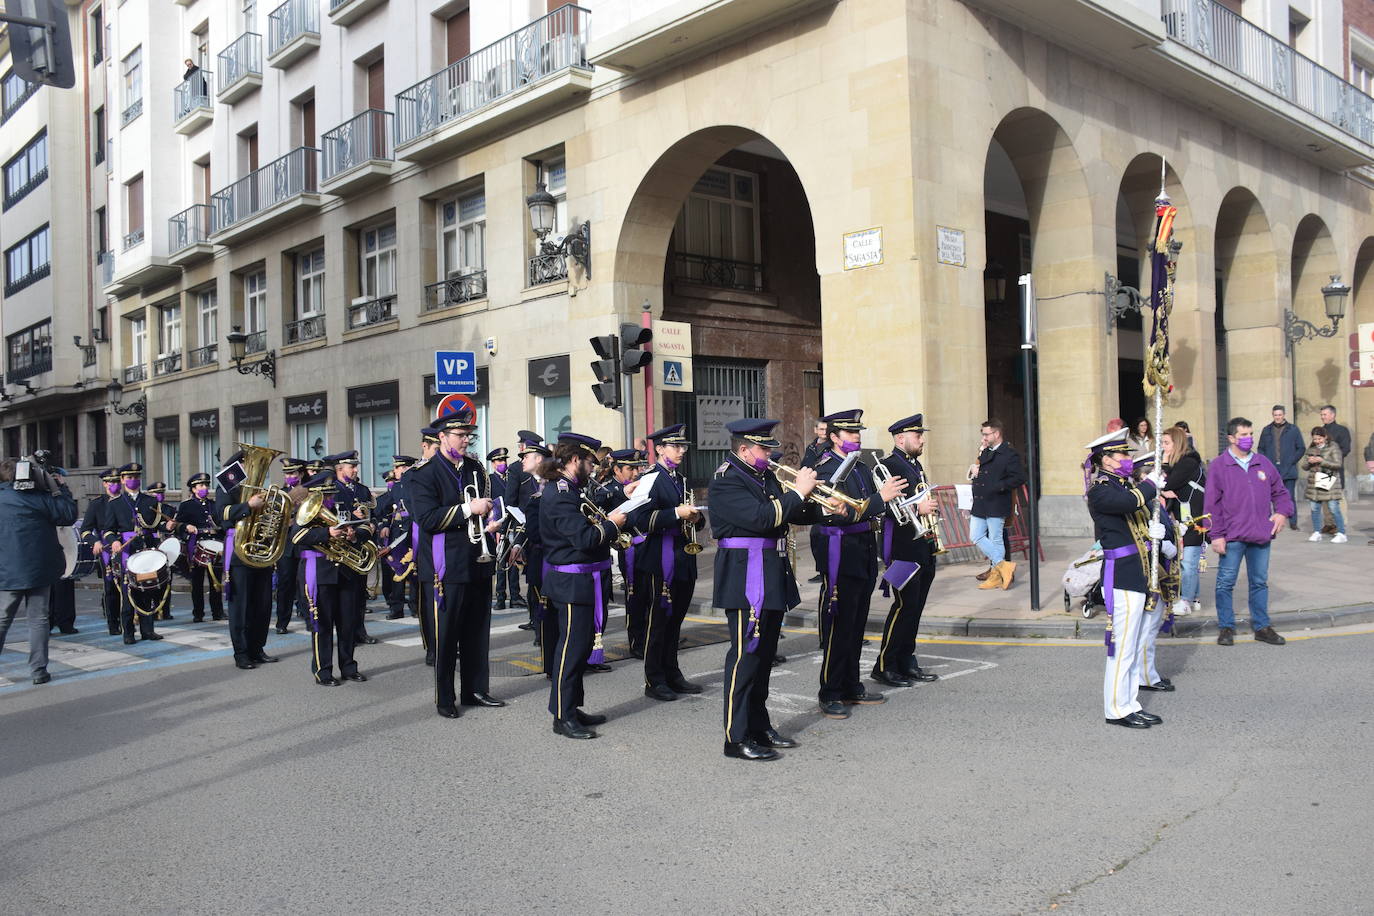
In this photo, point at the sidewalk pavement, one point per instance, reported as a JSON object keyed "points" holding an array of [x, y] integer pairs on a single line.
{"points": [[1310, 585]]}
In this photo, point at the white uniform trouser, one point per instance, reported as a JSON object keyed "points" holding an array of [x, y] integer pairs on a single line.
{"points": [[1149, 675], [1121, 682]]}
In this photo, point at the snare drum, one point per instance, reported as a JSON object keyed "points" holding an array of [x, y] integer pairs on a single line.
{"points": [[147, 570], [208, 553], [171, 548]]}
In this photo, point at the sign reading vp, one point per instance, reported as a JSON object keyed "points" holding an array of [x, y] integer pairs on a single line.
{"points": [[455, 372]]}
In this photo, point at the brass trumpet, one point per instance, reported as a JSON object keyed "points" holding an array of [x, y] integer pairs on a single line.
{"points": [[904, 508], [689, 531], [476, 526], [822, 494], [596, 515]]}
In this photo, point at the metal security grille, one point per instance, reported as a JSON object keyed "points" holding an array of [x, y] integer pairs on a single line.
{"points": [[727, 378]]}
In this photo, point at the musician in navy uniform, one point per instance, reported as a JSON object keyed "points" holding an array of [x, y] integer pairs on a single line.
{"points": [[166, 524], [533, 453], [330, 598], [249, 588], [665, 574], [393, 514], [518, 485], [354, 501], [429, 449], [754, 581], [129, 523], [461, 587], [909, 558], [195, 521], [626, 466], [92, 531], [289, 595], [577, 580], [1120, 510], [503, 489], [846, 553]]}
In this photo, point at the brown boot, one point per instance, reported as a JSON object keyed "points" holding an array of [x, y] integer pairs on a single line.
{"points": [[982, 576], [1006, 569], [994, 579]]}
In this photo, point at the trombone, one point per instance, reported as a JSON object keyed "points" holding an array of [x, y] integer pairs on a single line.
{"points": [[475, 523], [596, 515], [823, 493]]}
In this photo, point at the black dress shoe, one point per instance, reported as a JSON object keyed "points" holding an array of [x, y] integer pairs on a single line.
{"points": [[1164, 686], [659, 692], [218, 617], [500, 604], [816, 578], [525, 626], [68, 631], [245, 665], [637, 653], [42, 677], [779, 660], [200, 619], [154, 637], [323, 682], [1131, 721], [748, 750], [866, 699], [282, 631], [1268, 635], [448, 712], [571, 728], [600, 666], [369, 640], [1149, 718], [114, 632], [262, 658], [429, 660], [834, 709], [681, 685], [1226, 636], [166, 617], [355, 676], [518, 602], [394, 616], [129, 640], [481, 699], [915, 672], [771, 738], [890, 678], [588, 718]]}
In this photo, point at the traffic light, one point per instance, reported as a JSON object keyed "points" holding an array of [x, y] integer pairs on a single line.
{"points": [[632, 359], [40, 42], [606, 368]]}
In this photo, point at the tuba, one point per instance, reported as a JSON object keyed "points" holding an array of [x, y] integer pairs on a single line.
{"points": [[260, 539], [358, 557]]}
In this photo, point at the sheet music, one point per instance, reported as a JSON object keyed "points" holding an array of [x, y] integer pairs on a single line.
{"points": [[640, 496]]}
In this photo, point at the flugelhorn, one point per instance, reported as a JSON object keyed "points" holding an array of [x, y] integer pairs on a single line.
{"points": [[358, 557], [822, 494], [596, 515], [476, 523]]}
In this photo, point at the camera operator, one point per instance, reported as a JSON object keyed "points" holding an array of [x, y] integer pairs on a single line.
{"points": [[33, 504], [62, 603]]}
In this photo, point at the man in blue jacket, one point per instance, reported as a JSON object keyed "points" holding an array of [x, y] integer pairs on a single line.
{"points": [[1282, 444], [32, 508]]}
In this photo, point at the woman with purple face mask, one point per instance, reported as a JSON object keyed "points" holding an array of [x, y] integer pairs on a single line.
{"points": [[195, 522], [91, 533], [129, 524]]}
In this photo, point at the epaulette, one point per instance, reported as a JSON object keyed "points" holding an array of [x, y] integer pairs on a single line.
{"points": [[563, 486], [720, 471]]}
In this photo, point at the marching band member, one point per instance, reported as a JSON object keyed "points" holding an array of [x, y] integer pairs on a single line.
{"points": [[626, 465], [529, 489], [289, 595], [441, 494], [665, 573], [507, 580], [848, 560], [909, 556], [577, 577], [429, 448], [195, 520], [165, 523], [91, 531], [129, 524], [249, 588], [329, 596], [354, 500], [754, 580], [394, 508]]}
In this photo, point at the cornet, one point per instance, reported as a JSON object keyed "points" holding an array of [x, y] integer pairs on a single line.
{"points": [[596, 515], [689, 531], [475, 524], [904, 508], [823, 493]]}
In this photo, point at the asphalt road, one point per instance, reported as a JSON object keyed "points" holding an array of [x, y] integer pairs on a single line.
{"points": [[187, 786]]}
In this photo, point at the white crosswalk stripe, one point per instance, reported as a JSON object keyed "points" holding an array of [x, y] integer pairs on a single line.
{"points": [[209, 640], [86, 658]]}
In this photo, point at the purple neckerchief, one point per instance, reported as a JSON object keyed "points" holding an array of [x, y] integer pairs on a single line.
{"points": [[753, 580], [597, 570], [228, 556], [836, 536], [312, 587], [1108, 585]]}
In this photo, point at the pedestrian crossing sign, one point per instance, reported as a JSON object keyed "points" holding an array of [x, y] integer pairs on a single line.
{"points": [[676, 374]]}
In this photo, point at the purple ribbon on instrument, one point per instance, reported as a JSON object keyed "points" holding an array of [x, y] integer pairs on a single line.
{"points": [[836, 536], [1109, 583], [753, 580], [597, 570], [228, 557], [109, 567], [312, 586]]}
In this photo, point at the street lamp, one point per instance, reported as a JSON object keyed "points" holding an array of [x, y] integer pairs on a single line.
{"points": [[138, 408], [238, 349], [1334, 296], [577, 244]]}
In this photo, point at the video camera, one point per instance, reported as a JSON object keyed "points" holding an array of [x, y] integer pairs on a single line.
{"points": [[35, 473]]}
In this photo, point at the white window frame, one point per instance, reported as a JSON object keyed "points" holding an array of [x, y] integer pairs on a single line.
{"points": [[540, 419], [370, 471], [138, 340], [377, 261], [310, 267], [207, 455], [255, 302], [169, 329], [302, 435], [171, 462], [251, 435], [463, 234], [207, 316], [133, 77], [716, 244]]}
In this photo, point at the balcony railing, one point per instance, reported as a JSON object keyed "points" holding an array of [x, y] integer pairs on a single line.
{"points": [[1247, 50], [104, 265], [547, 268], [41, 362], [243, 58], [191, 226], [455, 291], [14, 284], [14, 195], [720, 272], [12, 105], [311, 328], [204, 356], [290, 21], [373, 311], [360, 139], [281, 179], [109, 155], [167, 364], [136, 373], [555, 42], [133, 238], [256, 342], [134, 110], [193, 93]]}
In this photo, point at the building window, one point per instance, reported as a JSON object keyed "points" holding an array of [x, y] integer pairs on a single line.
{"points": [[97, 37], [250, 15], [309, 440], [138, 453], [15, 91], [30, 352], [310, 284], [133, 85], [133, 213], [169, 330], [376, 438], [716, 238], [28, 261], [1362, 74], [27, 170], [207, 317], [171, 462], [98, 132], [463, 235], [252, 435], [553, 416], [378, 272], [255, 303], [138, 341], [554, 174], [207, 455]]}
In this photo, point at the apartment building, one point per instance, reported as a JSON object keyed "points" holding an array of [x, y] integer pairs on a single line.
{"points": [[836, 195]]}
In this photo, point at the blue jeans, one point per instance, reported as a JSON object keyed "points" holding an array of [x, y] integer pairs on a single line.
{"points": [[1256, 557], [1188, 584], [1335, 506], [987, 537]]}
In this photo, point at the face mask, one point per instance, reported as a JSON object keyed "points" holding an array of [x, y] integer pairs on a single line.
{"points": [[1126, 467], [390, 484], [112, 488], [133, 484], [669, 463], [291, 480], [158, 496], [846, 447], [760, 464], [454, 454], [202, 492], [1245, 443], [500, 467]]}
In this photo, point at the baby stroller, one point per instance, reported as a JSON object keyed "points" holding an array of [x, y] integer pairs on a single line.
{"points": [[1083, 583]]}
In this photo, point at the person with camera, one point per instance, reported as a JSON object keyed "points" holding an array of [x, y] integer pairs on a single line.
{"points": [[33, 505]]}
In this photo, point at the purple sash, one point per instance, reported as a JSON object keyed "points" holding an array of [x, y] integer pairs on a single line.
{"points": [[753, 580], [228, 556], [1108, 586], [833, 556], [312, 587], [630, 563], [598, 654], [669, 558], [436, 553]]}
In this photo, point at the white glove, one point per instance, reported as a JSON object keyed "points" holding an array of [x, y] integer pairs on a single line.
{"points": [[1156, 531], [1156, 478], [1169, 549]]}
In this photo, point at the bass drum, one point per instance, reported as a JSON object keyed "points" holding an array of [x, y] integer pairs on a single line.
{"points": [[85, 562]]}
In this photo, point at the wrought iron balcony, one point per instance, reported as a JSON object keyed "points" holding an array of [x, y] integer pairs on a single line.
{"points": [[39, 363], [192, 96], [281, 179], [547, 268], [292, 29], [133, 238], [311, 328], [204, 356], [191, 226], [720, 272], [256, 342], [240, 67], [14, 195], [167, 364], [372, 311], [104, 264], [455, 291], [359, 140], [136, 373], [552, 43], [134, 109]]}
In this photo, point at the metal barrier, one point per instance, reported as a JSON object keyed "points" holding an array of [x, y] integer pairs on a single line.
{"points": [[954, 526]]}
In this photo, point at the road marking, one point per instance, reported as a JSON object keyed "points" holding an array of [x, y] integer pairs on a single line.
{"points": [[86, 658], [405, 641], [208, 640]]}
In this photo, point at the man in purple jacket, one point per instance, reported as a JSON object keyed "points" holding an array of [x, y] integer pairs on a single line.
{"points": [[1249, 506]]}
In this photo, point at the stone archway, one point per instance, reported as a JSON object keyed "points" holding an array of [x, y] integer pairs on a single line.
{"points": [[1251, 366], [1320, 374], [1361, 311]]}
